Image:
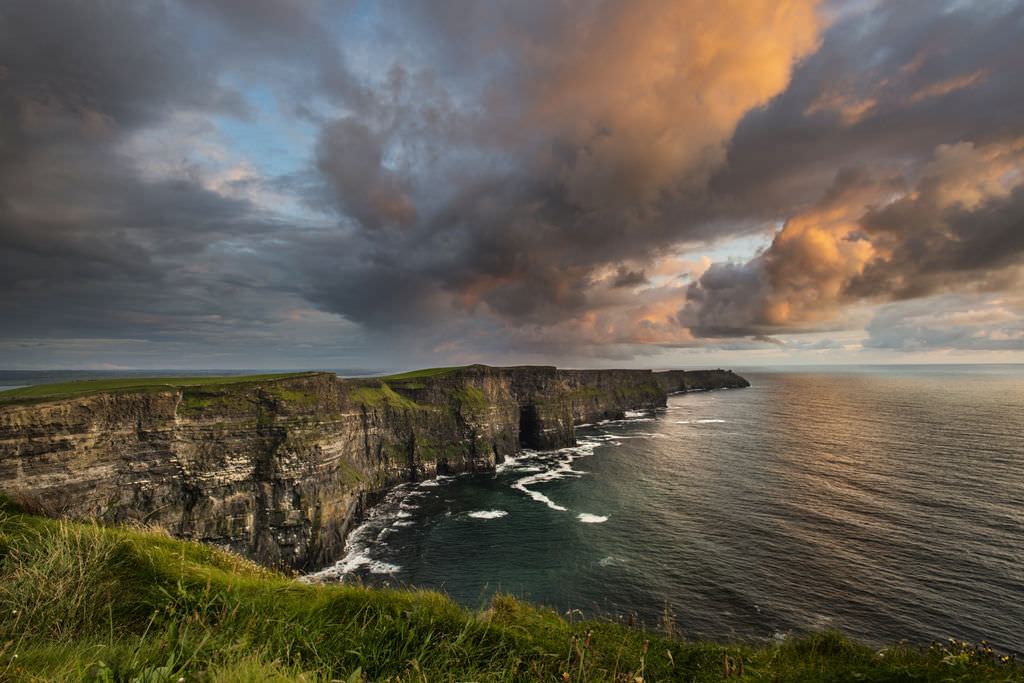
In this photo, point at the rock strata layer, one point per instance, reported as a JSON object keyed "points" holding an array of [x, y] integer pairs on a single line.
{"points": [[280, 470]]}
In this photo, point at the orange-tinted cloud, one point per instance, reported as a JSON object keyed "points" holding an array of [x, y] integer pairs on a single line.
{"points": [[874, 239], [646, 93]]}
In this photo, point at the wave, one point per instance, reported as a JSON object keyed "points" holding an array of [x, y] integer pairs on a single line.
{"points": [[487, 514], [563, 459], [511, 461], [435, 481], [348, 564], [587, 518], [561, 470], [539, 497], [395, 511]]}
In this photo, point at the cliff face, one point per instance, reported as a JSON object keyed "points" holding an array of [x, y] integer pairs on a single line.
{"points": [[280, 470]]}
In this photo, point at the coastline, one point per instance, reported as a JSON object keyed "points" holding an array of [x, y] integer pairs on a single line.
{"points": [[279, 468]]}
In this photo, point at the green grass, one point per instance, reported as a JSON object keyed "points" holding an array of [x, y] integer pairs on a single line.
{"points": [[470, 397], [133, 385], [379, 397], [428, 372], [87, 602]]}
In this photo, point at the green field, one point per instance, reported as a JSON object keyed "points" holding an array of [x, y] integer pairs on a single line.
{"points": [[134, 384], [93, 603], [428, 372]]}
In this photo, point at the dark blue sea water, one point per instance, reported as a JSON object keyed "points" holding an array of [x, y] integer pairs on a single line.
{"points": [[885, 502]]}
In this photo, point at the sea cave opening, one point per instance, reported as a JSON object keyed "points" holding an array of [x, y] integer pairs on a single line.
{"points": [[529, 427]]}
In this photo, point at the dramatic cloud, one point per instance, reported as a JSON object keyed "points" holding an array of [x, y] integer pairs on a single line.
{"points": [[960, 228], [570, 158], [341, 183], [926, 145]]}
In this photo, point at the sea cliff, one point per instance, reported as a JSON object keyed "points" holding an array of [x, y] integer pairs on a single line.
{"points": [[279, 469]]}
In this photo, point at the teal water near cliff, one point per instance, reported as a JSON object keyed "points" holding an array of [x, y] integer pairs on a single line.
{"points": [[886, 502]]}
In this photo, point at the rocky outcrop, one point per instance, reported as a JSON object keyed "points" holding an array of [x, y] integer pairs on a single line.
{"points": [[279, 470]]}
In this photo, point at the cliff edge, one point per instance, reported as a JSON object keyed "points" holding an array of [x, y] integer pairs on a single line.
{"points": [[280, 468]]}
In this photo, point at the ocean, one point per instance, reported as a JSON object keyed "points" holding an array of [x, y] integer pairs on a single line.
{"points": [[886, 502]]}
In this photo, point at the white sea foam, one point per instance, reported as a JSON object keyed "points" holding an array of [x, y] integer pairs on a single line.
{"points": [[487, 514], [511, 461], [587, 518], [539, 497], [560, 466], [635, 413], [382, 521], [709, 421], [339, 569]]}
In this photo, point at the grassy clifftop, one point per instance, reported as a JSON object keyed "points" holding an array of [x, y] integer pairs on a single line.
{"points": [[87, 602], [132, 385]]}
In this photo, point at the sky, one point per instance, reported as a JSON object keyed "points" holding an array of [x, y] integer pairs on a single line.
{"points": [[390, 184]]}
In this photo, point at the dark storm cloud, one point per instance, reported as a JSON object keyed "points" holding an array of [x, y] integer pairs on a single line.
{"points": [[92, 66], [629, 278], [934, 249], [350, 157], [89, 246]]}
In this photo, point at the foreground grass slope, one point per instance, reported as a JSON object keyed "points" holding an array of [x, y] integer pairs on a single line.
{"points": [[86, 602]]}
